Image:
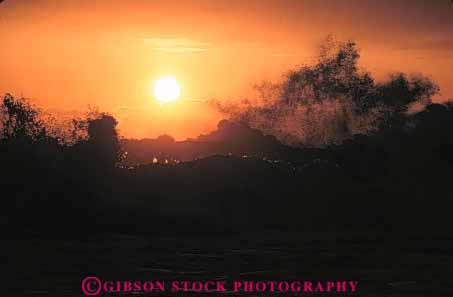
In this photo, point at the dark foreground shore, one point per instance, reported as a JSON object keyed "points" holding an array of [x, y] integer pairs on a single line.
{"points": [[386, 264]]}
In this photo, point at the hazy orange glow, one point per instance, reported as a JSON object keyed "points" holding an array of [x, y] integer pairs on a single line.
{"points": [[66, 55]]}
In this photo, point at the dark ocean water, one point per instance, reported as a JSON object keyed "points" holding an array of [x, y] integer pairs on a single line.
{"points": [[384, 265]]}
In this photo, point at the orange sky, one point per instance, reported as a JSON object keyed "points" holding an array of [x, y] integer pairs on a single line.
{"points": [[66, 55]]}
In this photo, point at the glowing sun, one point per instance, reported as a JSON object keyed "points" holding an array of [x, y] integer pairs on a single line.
{"points": [[166, 89]]}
